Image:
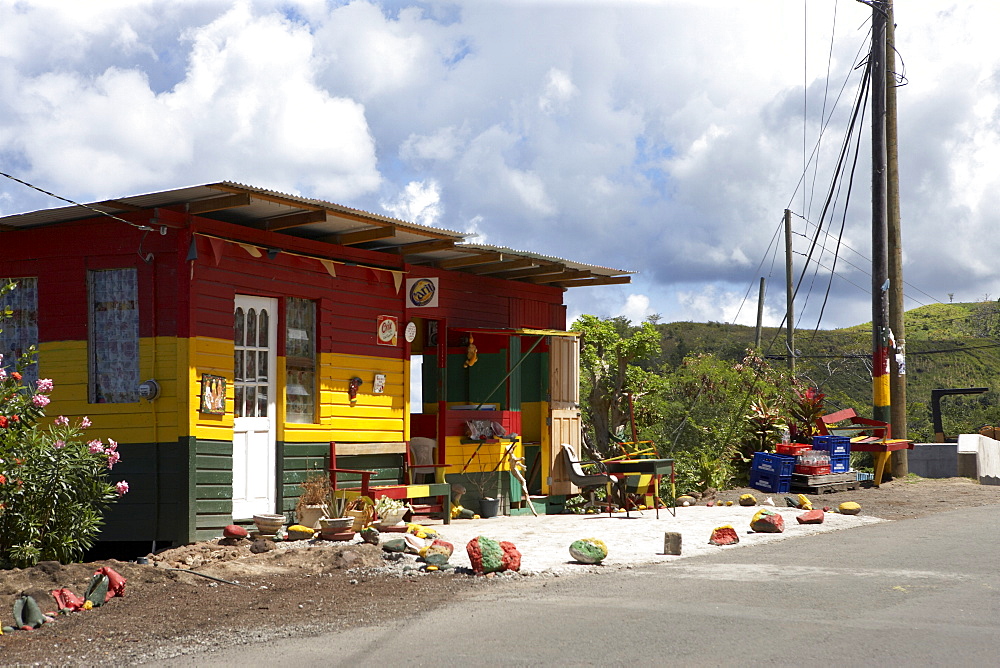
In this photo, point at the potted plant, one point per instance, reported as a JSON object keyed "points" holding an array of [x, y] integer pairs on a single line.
{"points": [[390, 512], [312, 503]]}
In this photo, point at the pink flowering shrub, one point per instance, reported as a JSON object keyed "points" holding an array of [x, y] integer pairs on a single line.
{"points": [[54, 484]]}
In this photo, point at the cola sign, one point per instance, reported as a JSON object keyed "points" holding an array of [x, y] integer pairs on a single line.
{"points": [[387, 329]]}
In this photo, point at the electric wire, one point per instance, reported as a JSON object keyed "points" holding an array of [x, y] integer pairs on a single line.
{"points": [[144, 228]]}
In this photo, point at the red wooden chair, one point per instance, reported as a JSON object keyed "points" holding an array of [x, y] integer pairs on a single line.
{"points": [[394, 482]]}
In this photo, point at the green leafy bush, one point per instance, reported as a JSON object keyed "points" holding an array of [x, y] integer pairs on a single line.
{"points": [[54, 485]]}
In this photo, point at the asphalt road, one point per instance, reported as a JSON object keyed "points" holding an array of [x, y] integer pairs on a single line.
{"points": [[914, 592]]}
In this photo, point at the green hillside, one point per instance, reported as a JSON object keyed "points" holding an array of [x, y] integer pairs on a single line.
{"points": [[947, 346]]}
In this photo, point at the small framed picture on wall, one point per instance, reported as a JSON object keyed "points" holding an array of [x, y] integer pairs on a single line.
{"points": [[213, 394]]}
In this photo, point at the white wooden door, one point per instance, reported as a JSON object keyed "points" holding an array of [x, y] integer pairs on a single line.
{"points": [[254, 474]]}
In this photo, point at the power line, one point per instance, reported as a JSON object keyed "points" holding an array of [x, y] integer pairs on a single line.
{"points": [[144, 228]]}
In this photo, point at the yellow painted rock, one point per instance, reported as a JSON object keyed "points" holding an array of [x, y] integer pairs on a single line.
{"points": [[849, 508], [748, 500], [804, 502], [686, 500]]}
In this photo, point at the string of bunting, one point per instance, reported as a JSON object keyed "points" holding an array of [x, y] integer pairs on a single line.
{"points": [[217, 244]]}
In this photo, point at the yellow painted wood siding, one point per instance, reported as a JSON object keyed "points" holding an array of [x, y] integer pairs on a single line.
{"points": [[65, 362]]}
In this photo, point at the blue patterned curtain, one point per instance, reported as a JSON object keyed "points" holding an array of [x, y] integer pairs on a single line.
{"points": [[114, 336], [20, 330]]}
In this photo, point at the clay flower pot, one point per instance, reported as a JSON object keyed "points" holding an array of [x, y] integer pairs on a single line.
{"points": [[333, 524], [268, 524]]}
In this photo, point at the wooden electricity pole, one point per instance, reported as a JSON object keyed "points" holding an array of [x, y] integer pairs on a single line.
{"points": [[880, 257], [897, 376]]}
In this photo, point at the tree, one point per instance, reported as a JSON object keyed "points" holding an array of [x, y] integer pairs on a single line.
{"points": [[610, 352]]}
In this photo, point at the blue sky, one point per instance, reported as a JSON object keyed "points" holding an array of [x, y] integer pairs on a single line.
{"points": [[664, 137]]}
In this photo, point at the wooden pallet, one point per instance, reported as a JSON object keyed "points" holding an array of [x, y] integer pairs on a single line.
{"points": [[823, 479], [827, 488]]}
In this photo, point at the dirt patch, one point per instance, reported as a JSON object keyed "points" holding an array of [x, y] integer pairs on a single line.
{"points": [[304, 588], [903, 498]]}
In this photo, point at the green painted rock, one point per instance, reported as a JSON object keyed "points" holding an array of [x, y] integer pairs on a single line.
{"points": [[588, 550], [489, 556], [394, 545]]}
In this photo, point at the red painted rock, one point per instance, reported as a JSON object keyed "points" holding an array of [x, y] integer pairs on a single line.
{"points": [[724, 536], [811, 517], [767, 521], [234, 531], [489, 556], [511, 556]]}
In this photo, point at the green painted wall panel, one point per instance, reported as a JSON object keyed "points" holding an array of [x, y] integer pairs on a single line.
{"points": [[156, 505], [217, 507], [214, 478], [299, 462]]}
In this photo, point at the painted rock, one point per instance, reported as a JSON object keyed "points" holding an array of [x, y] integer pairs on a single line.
{"points": [[588, 550], [370, 535], [849, 508], [686, 500], [748, 500], [437, 559], [810, 517], [440, 547], [724, 535], [767, 521], [394, 545], [235, 531], [804, 502], [490, 556]]}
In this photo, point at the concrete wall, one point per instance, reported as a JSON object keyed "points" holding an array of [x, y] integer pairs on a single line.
{"points": [[979, 457], [934, 460]]}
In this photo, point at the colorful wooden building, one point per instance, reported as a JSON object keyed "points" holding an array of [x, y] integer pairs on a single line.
{"points": [[226, 335]]}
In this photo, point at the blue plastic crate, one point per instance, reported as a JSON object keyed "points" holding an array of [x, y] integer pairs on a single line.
{"points": [[776, 464], [835, 445], [769, 482], [840, 463]]}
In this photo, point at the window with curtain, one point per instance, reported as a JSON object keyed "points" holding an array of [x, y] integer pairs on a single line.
{"points": [[114, 336], [300, 360], [20, 328]]}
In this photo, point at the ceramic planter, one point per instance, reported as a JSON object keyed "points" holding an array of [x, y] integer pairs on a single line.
{"points": [[268, 524]]}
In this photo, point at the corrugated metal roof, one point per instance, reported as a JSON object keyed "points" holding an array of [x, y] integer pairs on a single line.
{"points": [[318, 219]]}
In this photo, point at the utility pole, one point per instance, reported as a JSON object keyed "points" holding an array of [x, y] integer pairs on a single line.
{"points": [[760, 314], [789, 296], [897, 377], [880, 258]]}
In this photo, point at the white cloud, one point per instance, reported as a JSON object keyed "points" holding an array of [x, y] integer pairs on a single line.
{"points": [[663, 136], [418, 203]]}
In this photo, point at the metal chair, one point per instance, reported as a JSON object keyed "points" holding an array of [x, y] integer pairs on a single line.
{"points": [[589, 483]]}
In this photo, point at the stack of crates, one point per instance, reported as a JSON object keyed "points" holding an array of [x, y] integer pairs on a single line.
{"points": [[839, 448], [772, 473]]}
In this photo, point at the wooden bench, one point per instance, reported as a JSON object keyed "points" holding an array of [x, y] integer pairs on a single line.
{"points": [[393, 481], [866, 435]]}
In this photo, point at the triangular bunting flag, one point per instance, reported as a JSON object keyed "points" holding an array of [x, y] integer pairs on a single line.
{"points": [[253, 250], [397, 279], [217, 246], [329, 266]]}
